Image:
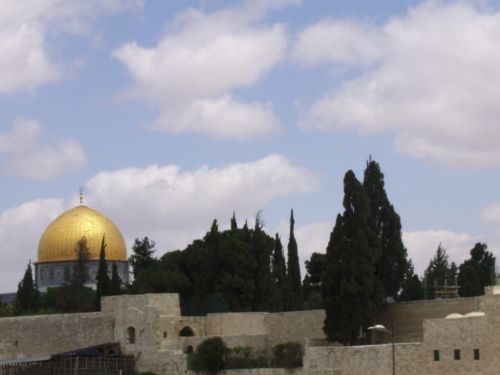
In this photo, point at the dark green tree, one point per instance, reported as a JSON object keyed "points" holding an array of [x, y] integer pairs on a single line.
{"points": [[115, 284], [80, 274], [351, 290], [295, 300], [102, 278], [280, 280], [262, 247], [5, 309], [142, 257], [476, 272], [315, 267], [234, 224], [438, 273], [209, 356], [27, 296], [385, 222], [412, 286]]}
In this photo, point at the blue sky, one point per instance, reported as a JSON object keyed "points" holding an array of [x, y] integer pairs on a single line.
{"points": [[172, 113]]}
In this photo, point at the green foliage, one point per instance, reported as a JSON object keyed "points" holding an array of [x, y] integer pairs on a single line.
{"points": [[412, 286], [476, 272], [143, 373], [80, 275], [234, 224], [73, 298], [245, 357], [142, 257], [315, 268], [392, 264], [281, 290], [102, 278], [209, 356], [27, 297], [295, 299], [115, 284], [262, 248], [5, 309], [351, 290], [239, 269], [288, 355], [439, 272]]}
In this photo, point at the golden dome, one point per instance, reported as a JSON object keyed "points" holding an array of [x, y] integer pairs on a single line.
{"points": [[59, 240]]}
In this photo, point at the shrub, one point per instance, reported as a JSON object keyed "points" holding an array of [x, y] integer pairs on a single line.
{"points": [[244, 357], [288, 355], [209, 356]]}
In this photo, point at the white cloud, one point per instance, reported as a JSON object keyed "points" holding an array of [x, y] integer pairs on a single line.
{"points": [[430, 78], [171, 206], [20, 230], [174, 206], [339, 42], [27, 155], [217, 117], [25, 25], [422, 246], [190, 73], [491, 214]]}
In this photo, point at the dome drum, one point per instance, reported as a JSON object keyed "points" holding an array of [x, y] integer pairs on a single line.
{"points": [[57, 273]]}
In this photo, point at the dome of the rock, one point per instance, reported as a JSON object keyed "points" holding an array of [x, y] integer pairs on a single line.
{"points": [[59, 240], [57, 249]]}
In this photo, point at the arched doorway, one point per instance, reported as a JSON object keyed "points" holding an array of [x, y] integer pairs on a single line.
{"points": [[186, 332]]}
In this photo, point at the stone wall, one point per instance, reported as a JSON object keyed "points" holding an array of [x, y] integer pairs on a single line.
{"points": [[295, 326], [363, 360], [137, 320], [408, 317], [236, 324], [43, 335]]}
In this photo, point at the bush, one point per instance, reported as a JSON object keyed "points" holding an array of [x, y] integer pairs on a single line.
{"points": [[288, 355], [245, 357], [209, 356]]}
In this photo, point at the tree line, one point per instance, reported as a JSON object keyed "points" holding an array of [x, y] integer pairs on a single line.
{"points": [[74, 295], [239, 269]]}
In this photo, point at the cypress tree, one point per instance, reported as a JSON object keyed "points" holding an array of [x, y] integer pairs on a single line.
{"points": [[294, 279], [234, 224], [27, 297], [115, 282], [80, 272], [262, 247], [351, 291], [385, 222], [279, 276], [102, 278], [412, 289], [247, 235]]}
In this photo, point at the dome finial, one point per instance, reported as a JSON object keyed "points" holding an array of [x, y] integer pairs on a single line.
{"points": [[81, 195]]}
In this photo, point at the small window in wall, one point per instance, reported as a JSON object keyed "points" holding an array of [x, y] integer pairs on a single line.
{"points": [[476, 355], [188, 349], [165, 334], [456, 354], [436, 355], [130, 335], [186, 331]]}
